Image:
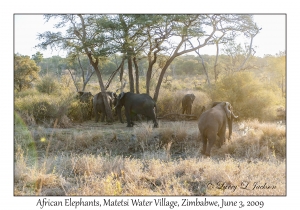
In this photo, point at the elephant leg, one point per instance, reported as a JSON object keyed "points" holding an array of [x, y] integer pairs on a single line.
{"points": [[119, 114], [189, 109], [222, 140], [97, 116], [128, 118], [133, 117], [152, 115], [221, 135], [96, 113], [203, 138], [103, 116], [211, 140], [155, 123]]}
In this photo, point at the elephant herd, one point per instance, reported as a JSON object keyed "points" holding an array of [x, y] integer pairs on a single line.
{"points": [[211, 123], [134, 104]]}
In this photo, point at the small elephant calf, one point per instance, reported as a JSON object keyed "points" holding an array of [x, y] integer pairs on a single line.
{"points": [[187, 102]]}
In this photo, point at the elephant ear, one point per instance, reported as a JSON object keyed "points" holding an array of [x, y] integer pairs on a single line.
{"points": [[227, 109], [193, 97]]}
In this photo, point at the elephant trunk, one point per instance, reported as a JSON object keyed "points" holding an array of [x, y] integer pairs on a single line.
{"points": [[229, 128], [233, 115], [227, 110], [118, 110]]}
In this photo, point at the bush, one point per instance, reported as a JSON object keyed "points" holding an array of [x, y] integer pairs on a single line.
{"points": [[170, 102], [249, 97], [47, 85], [262, 140], [43, 109]]}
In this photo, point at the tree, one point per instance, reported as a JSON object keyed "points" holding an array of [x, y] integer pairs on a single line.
{"points": [[84, 35], [25, 72], [53, 65], [239, 24], [128, 37], [186, 27], [82, 66], [276, 67], [37, 57]]}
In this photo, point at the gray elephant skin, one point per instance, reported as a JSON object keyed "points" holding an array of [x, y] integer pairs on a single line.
{"points": [[187, 102], [86, 104], [212, 123], [98, 104], [136, 104]]}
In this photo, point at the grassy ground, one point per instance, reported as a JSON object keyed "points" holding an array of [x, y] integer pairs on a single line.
{"points": [[99, 159]]}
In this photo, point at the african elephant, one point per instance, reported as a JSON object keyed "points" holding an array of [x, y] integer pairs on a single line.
{"points": [[136, 104], [212, 122], [187, 102], [99, 107], [86, 104]]}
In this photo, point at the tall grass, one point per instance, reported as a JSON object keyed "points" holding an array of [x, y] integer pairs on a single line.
{"points": [[147, 161]]}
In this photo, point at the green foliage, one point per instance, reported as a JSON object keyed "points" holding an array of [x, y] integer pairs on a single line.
{"points": [[22, 135], [187, 65], [47, 84], [25, 72], [53, 65], [249, 97], [37, 57], [74, 111], [44, 108]]}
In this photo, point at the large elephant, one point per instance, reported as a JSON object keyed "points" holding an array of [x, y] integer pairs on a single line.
{"points": [[212, 122], [187, 102], [98, 104], [86, 104], [136, 104]]}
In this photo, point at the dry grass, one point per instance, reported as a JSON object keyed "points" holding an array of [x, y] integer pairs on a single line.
{"points": [[114, 160]]}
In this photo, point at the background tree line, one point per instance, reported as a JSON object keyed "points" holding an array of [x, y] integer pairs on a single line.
{"points": [[270, 68], [156, 47]]}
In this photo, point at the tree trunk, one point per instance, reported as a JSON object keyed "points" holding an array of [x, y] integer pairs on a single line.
{"points": [[216, 62], [204, 68], [102, 88], [137, 83], [148, 79], [150, 66], [104, 95], [161, 76], [114, 73], [249, 53], [130, 74]]}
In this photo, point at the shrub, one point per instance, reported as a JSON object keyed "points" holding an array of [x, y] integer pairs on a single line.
{"points": [[47, 84], [249, 97], [43, 109], [262, 140], [170, 102]]}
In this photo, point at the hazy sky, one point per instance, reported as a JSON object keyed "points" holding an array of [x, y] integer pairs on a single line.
{"points": [[270, 40]]}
